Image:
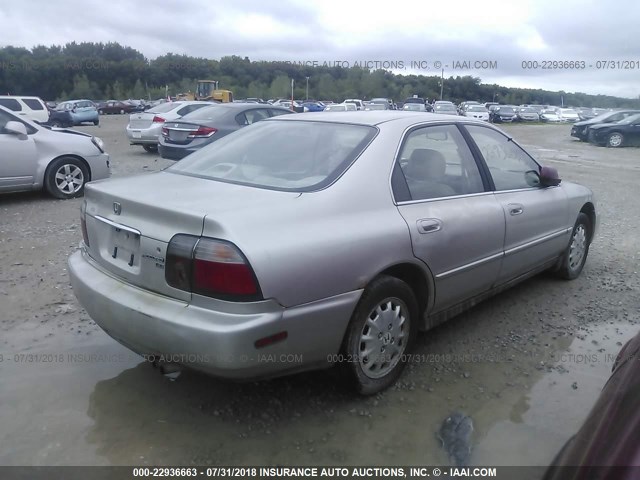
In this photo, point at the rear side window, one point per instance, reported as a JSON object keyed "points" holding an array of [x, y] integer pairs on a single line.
{"points": [[437, 162], [33, 103], [191, 108], [11, 104]]}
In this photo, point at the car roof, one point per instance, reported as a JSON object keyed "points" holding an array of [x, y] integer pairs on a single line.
{"points": [[377, 117]]}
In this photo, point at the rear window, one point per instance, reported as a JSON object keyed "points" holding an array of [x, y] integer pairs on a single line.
{"points": [[214, 112], [165, 107], [33, 103], [11, 104], [290, 156]]}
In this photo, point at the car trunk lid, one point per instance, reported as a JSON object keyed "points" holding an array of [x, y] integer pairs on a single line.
{"points": [[130, 221], [141, 120]]}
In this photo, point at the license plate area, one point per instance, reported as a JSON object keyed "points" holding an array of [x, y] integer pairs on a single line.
{"points": [[136, 134], [125, 247], [178, 135]]}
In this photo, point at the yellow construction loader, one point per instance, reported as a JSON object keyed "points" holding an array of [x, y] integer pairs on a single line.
{"points": [[207, 90]]}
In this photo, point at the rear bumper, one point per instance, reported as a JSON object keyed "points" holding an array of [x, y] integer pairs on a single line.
{"points": [[219, 342], [144, 136], [173, 153]]}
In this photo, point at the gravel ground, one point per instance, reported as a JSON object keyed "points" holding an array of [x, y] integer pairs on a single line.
{"points": [[526, 366]]}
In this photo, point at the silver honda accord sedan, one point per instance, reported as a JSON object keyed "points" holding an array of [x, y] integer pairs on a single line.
{"points": [[305, 241]]}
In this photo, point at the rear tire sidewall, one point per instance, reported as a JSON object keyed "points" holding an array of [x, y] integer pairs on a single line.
{"points": [[150, 148], [50, 177], [565, 270], [379, 289], [615, 144]]}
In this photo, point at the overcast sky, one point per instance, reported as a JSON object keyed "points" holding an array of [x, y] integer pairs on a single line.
{"points": [[450, 32]]}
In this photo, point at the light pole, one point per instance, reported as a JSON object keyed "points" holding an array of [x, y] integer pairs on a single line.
{"points": [[307, 87], [441, 84], [292, 95], [494, 97]]}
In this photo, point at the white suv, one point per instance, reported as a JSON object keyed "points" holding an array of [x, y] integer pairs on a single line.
{"points": [[358, 103], [32, 108]]}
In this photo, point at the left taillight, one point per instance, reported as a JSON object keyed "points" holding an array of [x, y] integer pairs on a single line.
{"points": [[210, 267], [203, 132]]}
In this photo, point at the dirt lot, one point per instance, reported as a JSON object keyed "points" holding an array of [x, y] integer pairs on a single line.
{"points": [[526, 365]]}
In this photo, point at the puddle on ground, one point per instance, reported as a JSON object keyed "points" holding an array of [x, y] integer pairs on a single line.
{"points": [[112, 408]]}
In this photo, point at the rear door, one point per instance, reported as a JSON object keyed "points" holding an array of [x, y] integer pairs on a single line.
{"points": [[457, 227], [537, 219]]}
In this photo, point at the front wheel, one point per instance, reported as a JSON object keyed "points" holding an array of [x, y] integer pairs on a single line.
{"points": [[578, 249], [66, 177], [381, 330], [615, 139]]}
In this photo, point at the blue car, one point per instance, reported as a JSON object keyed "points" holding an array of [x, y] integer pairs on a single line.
{"points": [[313, 107], [80, 111]]}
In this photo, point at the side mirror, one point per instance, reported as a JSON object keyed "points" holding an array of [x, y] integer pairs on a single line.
{"points": [[549, 177], [17, 128]]}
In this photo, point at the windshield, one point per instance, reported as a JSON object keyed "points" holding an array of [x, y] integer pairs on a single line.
{"points": [[476, 108], [281, 155], [505, 110], [630, 119]]}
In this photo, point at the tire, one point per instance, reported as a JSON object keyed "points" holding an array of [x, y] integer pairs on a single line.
{"points": [[390, 301], [575, 256], [121, 111], [96, 122], [100, 112], [65, 177], [57, 124], [150, 148], [615, 140]]}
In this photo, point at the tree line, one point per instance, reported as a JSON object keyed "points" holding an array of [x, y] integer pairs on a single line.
{"points": [[102, 71]]}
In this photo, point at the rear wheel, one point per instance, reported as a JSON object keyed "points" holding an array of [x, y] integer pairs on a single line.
{"points": [[150, 148], [66, 177], [381, 330], [615, 139], [96, 122], [57, 124], [578, 249], [121, 111], [100, 112]]}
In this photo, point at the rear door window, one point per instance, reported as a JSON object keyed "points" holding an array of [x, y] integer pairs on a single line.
{"points": [[33, 103], [11, 104]]}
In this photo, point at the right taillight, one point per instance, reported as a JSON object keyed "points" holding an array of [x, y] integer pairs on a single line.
{"points": [[157, 119], [210, 267]]}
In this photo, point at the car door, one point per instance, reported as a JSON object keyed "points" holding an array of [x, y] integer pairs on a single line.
{"points": [[633, 133], [537, 218], [18, 157], [456, 224]]}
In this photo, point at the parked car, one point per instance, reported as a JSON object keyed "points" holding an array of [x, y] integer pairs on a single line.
{"points": [[502, 114], [340, 107], [34, 157], [527, 114], [60, 119], [356, 101], [377, 106], [568, 115], [312, 107], [31, 108], [80, 111], [384, 101], [136, 105], [624, 133], [115, 106], [447, 108], [585, 113], [283, 241], [207, 125], [145, 128], [580, 130], [414, 107], [476, 111], [550, 115]]}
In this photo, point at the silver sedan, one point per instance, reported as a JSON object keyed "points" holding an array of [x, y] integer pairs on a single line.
{"points": [[301, 242], [144, 128], [33, 157]]}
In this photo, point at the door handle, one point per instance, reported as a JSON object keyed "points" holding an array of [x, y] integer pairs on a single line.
{"points": [[515, 209], [429, 225]]}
